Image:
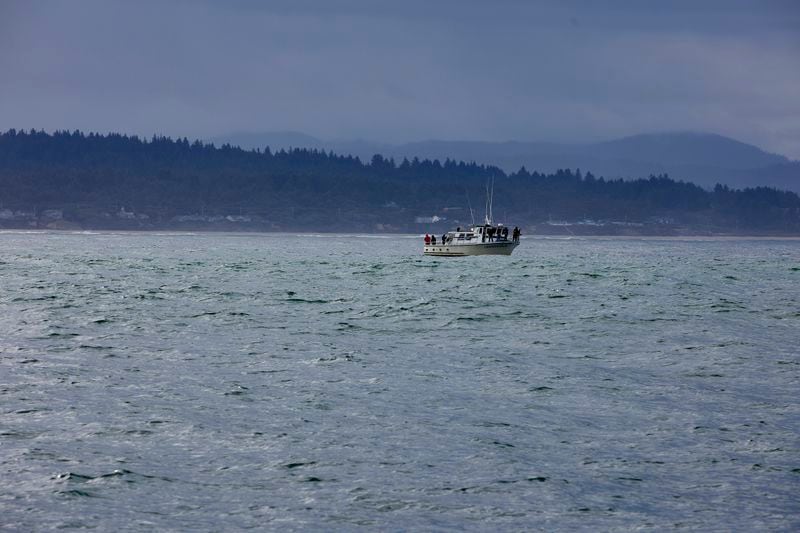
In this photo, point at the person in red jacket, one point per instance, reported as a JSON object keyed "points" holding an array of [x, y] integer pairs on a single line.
{"points": [[427, 239]]}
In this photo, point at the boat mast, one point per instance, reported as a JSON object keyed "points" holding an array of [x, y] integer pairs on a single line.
{"points": [[491, 203], [489, 200]]}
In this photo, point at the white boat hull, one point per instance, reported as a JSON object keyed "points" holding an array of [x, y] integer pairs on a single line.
{"points": [[479, 248]]}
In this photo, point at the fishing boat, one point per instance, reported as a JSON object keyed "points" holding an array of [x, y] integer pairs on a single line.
{"points": [[484, 239], [481, 239]]}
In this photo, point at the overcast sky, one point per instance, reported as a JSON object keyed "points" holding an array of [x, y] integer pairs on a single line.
{"points": [[405, 70]]}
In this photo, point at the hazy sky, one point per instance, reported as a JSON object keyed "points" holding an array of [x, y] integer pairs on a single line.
{"points": [[405, 70]]}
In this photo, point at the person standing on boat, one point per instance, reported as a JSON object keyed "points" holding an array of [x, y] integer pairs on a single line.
{"points": [[427, 239], [505, 233], [433, 240], [444, 238]]}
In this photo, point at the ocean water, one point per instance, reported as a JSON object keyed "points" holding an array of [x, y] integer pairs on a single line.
{"points": [[218, 382]]}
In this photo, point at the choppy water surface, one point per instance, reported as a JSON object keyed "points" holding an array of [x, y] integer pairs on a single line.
{"points": [[224, 381]]}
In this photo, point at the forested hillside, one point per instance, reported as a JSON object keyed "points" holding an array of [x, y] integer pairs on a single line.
{"points": [[72, 179]]}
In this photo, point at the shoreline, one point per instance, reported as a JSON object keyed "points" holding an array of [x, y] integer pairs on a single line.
{"points": [[387, 235]]}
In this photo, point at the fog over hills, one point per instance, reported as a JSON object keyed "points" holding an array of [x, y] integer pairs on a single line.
{"points": [[702, 158]]}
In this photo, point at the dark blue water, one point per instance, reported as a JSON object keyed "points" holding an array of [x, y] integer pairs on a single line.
{"points": [[214, 382]]}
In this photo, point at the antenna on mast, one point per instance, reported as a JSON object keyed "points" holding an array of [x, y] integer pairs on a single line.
{"points": [[491, 203], [486, 207], [489, 200], [471, 214]]}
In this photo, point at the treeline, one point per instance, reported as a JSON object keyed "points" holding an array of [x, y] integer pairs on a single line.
{"points": [[167, 175]]}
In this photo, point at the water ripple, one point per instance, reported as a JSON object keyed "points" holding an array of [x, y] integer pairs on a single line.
{"points": [[216, 382]]}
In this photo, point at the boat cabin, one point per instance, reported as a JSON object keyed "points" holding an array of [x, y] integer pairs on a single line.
{"points": [[482, 233]]}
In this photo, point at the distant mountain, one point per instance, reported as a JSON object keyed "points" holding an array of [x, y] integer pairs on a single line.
{"points": [[273, 139], [686, 148], [702, 158], [286, 140]]}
